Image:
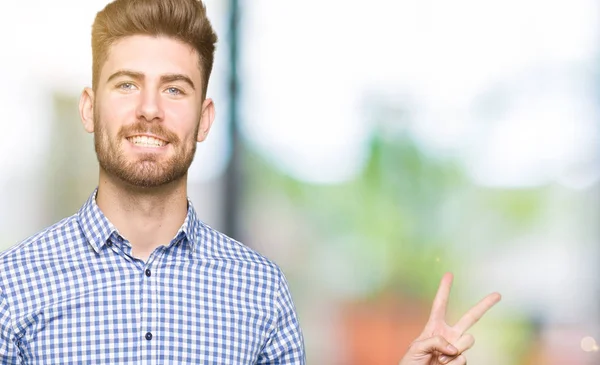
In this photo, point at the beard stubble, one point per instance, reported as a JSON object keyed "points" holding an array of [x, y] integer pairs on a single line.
{"points": [[146, 170]]}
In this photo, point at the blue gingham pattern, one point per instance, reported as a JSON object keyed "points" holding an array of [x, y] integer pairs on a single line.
{"points": [[73, 294]]}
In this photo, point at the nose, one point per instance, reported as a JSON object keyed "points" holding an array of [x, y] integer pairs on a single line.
{"points": [[149, 106]]}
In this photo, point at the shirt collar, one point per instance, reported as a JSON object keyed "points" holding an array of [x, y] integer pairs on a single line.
{"points": [[97, 229], [94, 224], [191, 227]]}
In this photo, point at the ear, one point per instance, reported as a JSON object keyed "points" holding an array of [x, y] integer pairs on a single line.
{"points": [[206, 120], [86, 109]]}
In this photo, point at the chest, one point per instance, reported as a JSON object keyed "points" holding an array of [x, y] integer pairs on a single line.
{"points": [[204, 314]]}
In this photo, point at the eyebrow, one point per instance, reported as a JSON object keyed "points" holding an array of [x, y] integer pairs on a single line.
{"points": [[177, 77], [163, 79]]}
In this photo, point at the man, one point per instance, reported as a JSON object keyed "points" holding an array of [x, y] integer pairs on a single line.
{"points": [[134, 276]]}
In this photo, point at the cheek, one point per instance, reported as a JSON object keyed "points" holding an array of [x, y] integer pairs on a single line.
{"points": [[115, 112], [183, 119]]}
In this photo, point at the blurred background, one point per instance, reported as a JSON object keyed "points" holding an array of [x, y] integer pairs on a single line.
{"points": [[367, 148]]}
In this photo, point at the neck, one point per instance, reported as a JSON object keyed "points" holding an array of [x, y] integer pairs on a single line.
{"points": [[146, 217]]}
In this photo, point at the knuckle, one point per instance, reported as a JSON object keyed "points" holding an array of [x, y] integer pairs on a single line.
{"points": [[471, 317], [413, 346], [439, 339]]}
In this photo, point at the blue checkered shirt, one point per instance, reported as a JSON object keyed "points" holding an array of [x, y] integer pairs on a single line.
{"points": [[73, 294]]}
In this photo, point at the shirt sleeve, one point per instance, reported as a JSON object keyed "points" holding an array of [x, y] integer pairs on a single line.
{"points": [[9, 353], [286, 344]]}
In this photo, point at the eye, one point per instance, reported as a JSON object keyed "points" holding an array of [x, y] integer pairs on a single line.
{"points": [[127, 86], [174, 91]]}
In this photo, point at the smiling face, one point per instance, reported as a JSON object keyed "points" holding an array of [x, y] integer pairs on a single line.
{"points": [[147, 111]]}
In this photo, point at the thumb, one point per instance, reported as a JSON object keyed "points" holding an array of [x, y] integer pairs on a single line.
{"points": [[432, 345]]}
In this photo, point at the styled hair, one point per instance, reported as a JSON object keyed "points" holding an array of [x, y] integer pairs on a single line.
{"points": [[184, 20]]}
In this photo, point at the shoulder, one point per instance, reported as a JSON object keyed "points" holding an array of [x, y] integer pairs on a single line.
{"points": [[41, 245], [212, 243]]}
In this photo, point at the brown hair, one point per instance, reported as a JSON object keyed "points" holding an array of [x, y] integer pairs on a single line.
{"points": [[184, 20]]}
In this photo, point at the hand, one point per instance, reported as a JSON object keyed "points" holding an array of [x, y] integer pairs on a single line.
{"points": [[439, 343]]}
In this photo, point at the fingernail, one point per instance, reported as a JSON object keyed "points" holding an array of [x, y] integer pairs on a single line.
{"points": [[444, 359], [452, 349]]}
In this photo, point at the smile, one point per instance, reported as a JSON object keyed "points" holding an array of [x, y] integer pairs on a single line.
{"points": [[146, 141]]}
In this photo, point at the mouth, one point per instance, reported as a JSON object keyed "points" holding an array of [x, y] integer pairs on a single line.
{"points": [[147, 141]]}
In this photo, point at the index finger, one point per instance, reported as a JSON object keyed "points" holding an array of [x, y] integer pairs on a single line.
{"points": [[474, 314], [438, 309]]}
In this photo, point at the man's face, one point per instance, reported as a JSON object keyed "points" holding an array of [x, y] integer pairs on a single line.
{"points": [[148, 111]]}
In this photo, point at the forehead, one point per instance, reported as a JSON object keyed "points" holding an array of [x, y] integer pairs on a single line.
{"points": [[152, 56]]}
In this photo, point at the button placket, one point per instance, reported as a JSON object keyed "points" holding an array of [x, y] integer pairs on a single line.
{"points": [[150, 312], [148, 298]]}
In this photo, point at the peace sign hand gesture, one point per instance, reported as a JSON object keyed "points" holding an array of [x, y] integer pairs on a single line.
{"points": [[440, 343]]}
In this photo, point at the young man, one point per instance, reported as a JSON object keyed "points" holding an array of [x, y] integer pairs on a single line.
{"points": [[135, 276]]}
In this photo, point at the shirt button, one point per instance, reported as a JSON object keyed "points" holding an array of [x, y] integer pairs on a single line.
{"points": [[148, 336], [109, 244], [148, 272]]}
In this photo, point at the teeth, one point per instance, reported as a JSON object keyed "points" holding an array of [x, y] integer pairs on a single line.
{"points": [[145, 141]]}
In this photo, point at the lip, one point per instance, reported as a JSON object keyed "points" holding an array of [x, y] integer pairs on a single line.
{"points": [[146, 135], [144, 148]]}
